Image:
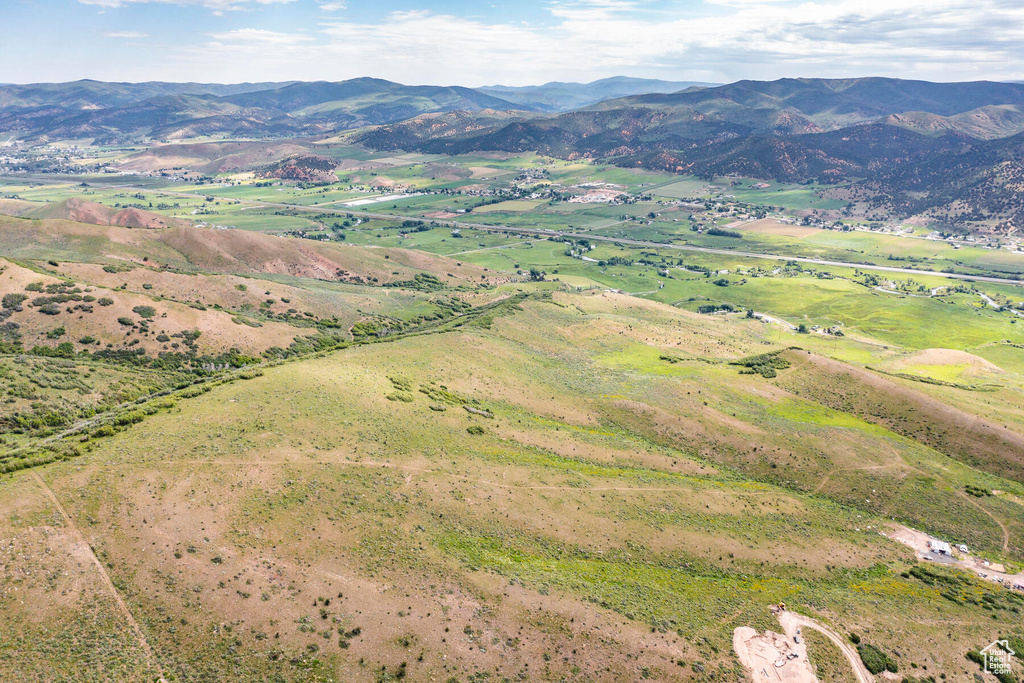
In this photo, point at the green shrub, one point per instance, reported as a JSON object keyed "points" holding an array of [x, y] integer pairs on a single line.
{"points": [[130, 418], [144, 311], [193, 391], [764, 364], [105, 301], [62, 350], [127, 322], [14, 300], [875, 660], [475, 430]]}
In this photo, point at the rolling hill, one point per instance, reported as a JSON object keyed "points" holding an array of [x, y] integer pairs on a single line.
{"points": [[111, 112], [90, 94], [415, 508], [82, 211], [699, 116], [230, 455], [559, 96], [947, 150]]}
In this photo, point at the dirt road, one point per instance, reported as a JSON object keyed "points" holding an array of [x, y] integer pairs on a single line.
{"points": [[775, 658], [918, 540], [121, 606], [792, 622], [772, 657]]}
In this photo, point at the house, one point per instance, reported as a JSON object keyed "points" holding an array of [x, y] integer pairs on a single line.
{"points": [[938, 546]]}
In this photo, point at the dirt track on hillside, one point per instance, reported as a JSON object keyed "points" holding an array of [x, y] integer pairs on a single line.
{"points": [[791, 622]]}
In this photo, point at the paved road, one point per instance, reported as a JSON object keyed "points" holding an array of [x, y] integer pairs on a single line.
{"points": [[642, 243], [588, 236], [993, 304]]}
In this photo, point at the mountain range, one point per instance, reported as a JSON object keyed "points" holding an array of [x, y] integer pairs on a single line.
{"points": [[116, 112], [698, 116], [908, 146], [558, 96]]}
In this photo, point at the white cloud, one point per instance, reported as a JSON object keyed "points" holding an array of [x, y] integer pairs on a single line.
{"points": [[258, 38], [215, 5], [719, 40], [127, 35], [331, 6]]}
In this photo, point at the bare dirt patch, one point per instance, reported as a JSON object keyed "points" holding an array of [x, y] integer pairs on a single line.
{"points": [[772, 657], [82, 211]]}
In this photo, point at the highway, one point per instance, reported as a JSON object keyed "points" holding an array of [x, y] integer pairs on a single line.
{"points": [[344, 211], [623, 240]]}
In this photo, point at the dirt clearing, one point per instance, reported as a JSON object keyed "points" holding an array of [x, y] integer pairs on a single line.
{"points": [[772, 657]]}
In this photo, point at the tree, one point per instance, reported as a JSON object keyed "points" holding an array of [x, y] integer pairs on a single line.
{"points": [[802, 329]]}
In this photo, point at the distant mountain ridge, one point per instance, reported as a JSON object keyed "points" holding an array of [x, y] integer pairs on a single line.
{"points": [[558, 96], [701, 116], [110, 112], [666, 114], [885, 134], [89, 93]]}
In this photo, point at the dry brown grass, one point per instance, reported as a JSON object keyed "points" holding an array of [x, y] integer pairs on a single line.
{"points": [[219, 333], [773, 227]]}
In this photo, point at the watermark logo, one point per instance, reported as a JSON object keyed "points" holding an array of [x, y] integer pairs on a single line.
{"points": [[998, 657]]}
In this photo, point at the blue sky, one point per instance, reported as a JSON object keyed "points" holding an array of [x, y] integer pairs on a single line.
{"points": [[514, 43]]}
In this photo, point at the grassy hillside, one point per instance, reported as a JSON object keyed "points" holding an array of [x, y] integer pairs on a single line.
{"points": [[493, 417], [608, 502]]}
